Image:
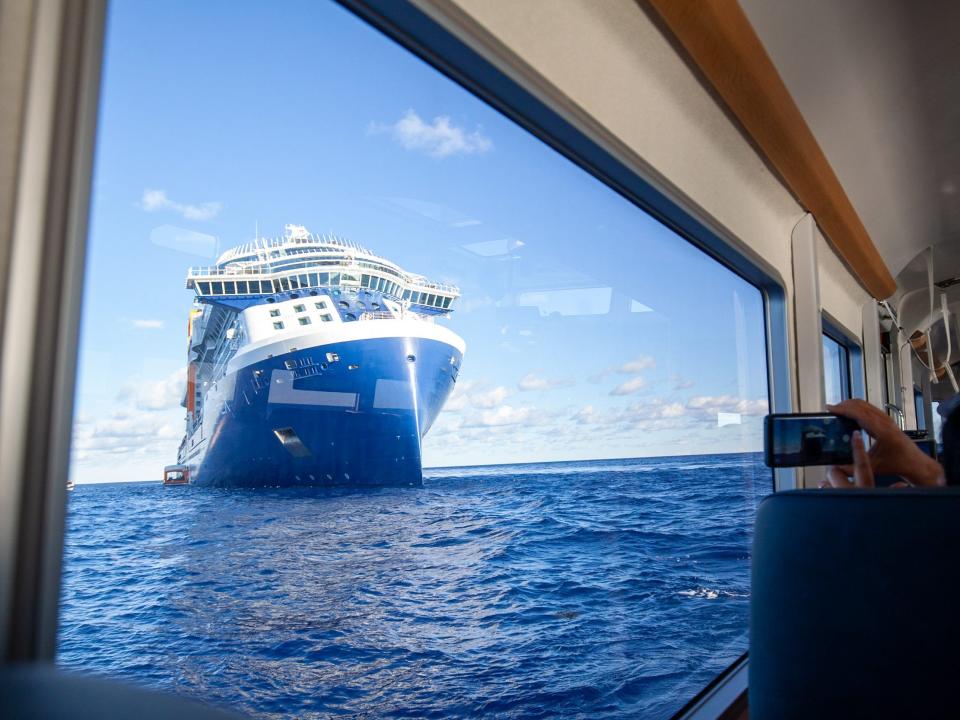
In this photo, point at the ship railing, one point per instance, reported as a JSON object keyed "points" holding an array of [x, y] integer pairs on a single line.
{"points": [[224, 356], [420, 286]]}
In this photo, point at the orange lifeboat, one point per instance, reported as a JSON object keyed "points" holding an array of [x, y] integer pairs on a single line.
{"points": [[176, 475]]}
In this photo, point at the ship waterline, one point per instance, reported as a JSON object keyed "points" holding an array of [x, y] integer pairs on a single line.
{"points": [[314, 385]]}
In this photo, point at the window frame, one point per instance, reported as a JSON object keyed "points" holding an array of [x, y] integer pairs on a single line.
{"points": [[855, 371], [75, 32]]}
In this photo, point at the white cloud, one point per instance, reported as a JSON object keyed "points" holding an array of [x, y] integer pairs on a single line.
{"points": [[532, 382], [639, 364], [491, 398], [156, 395], [630, 386], [154, 200], [148, 324], [503, 415], [709, 406], [439, 139]]}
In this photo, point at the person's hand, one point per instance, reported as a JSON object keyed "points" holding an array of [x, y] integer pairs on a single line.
{"points": [[893, 453], [861, 470]]}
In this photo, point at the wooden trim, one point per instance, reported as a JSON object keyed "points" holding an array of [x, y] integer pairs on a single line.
{"points": [[721, 42]]}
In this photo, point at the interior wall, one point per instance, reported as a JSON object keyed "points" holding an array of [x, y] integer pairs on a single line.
{"points": [[840, 294]]}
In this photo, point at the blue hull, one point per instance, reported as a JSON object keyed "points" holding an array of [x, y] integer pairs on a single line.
{"points": [[344, 414]]}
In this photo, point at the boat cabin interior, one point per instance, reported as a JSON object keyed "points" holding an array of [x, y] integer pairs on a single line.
{"points": [[659, 220]]}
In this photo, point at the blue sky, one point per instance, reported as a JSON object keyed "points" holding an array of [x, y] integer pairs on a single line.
{"points": [[592, 331]]}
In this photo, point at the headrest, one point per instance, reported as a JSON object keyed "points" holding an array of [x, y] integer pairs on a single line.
{"points": [[854, 604]]}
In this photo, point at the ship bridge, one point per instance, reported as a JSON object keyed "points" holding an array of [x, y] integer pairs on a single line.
{"points": [[302, 260]]}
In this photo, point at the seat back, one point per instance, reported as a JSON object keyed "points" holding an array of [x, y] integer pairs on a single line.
{"points": [[854, 605]]}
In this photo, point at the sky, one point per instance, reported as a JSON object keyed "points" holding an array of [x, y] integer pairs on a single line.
{"points": [[592, 330]]}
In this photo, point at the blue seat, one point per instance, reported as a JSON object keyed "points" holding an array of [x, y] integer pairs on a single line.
{"points": [[42, 692], [855, 605]]}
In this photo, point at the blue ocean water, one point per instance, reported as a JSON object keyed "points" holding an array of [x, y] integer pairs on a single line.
{"points": [[614, 588]]}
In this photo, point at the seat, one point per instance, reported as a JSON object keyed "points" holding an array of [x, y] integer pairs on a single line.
{"points": [[854, 605], [41, 692]]}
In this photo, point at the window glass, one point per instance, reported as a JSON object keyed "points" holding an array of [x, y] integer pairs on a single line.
{"points": [[836, 371], [580, 543], [920, 409]]}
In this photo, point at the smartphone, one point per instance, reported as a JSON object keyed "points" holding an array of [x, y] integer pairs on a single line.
{"points": [[801, 439]]}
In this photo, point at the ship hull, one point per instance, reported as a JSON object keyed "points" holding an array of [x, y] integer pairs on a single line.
{"points": [[348, 413]]}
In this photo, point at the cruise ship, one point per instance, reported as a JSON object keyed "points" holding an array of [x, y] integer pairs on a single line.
{"points": [[312, 361]]}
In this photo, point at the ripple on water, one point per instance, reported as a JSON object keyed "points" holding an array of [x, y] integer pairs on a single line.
{"points": [[586, 589]]}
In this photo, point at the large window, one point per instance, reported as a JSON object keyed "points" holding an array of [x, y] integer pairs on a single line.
{"points": [[581, 542]]}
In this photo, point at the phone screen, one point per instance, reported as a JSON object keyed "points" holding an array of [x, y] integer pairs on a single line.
{"points": [[808, 439]]}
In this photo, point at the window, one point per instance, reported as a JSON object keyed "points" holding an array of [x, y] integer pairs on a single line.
{"points": [[321, 305], [836, 371], [304, 320], [274, 312], [299, 308], [607, 508], [920, 408], [843, 371]]}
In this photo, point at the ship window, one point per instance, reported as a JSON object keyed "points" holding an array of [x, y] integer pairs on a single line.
{"points": [[217, 288], [446, 302], [324, 278], [229, 288], [275, 312], [349, 316], [344, 304], [294, 282], [204, 288], [242, 287], [314, 280], [321, 305], [365, 281], [304, 281], [375, 306], [620, 409], [304, 320], [299, 308], [334, 278], [842, 363]]}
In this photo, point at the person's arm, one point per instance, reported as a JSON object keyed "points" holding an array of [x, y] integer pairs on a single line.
{"points": [[892, 453]]}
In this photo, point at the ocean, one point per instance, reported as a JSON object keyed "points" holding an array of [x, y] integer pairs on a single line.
{"points": [[614, 588]]}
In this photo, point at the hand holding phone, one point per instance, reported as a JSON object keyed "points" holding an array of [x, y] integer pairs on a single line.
{"points": [[804, 439]]}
